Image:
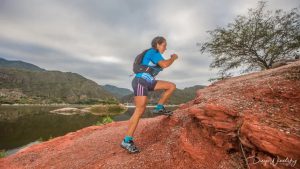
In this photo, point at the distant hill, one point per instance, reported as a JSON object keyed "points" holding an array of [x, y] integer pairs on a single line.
{"points": [[179, 96], [19, 65], [22, 82], [116, 91]]}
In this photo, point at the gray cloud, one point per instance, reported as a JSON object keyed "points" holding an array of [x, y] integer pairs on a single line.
{"points": [[99, 39]]}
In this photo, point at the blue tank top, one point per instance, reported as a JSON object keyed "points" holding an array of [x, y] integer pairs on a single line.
{"points": [[151, 58]]}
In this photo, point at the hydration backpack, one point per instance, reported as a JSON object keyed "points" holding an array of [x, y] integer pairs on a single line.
{"points": [[138, 67]]}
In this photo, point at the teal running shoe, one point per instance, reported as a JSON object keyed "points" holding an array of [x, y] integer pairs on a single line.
{"points": [[130, 147]]}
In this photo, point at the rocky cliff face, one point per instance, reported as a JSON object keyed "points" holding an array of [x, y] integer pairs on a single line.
{"points": [[256, 114], [247, 121]]}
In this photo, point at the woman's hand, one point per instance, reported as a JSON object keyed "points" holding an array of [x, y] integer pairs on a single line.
{"points": [[174, 56]]}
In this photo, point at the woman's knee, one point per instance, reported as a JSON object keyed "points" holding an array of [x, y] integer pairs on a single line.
{"points": [[172, 86], [140, 102]]}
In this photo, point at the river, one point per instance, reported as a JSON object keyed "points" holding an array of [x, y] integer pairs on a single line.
{"points": [[22, 126]]}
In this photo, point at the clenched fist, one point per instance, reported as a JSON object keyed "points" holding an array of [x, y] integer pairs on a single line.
{"points": [[174, 56]]}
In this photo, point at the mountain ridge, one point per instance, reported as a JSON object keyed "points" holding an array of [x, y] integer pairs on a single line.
{"points": [[25, 83], [17, 64]]}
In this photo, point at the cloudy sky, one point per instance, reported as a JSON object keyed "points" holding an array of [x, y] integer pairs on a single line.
{"points": [[100, 38]]}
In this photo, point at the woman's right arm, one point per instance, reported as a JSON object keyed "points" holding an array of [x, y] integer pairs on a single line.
{"points": [[168, 62]]}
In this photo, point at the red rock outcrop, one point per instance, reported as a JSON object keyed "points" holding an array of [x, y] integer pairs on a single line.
{"points": [[258, 113], [246, 121]]}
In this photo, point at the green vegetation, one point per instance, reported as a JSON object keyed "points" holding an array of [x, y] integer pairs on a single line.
{"points": [[105, 120], [41, 139], [50, 137], [2, 153], [48, 87], [255, 41]]}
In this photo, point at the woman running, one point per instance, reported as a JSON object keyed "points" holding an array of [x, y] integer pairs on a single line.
{"points": [[144, 82]]}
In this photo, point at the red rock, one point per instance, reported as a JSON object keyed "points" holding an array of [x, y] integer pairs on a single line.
{"points": [[219, 141], [196, 111], [217, 115], [199, 92], [202, 117], [198, 100], [224, 126], [207, 122], [246, 142], [272, 140], [213, 108], [183, 106], [222, 118]]}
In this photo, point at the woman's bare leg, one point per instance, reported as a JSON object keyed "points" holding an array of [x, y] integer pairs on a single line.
{"points": [[140, 103], [169, 88]]}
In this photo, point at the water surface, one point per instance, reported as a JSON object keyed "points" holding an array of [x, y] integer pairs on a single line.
{"points": [[21, 126]]}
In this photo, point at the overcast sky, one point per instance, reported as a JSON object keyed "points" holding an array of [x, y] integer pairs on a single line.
{"points": [[99, 39]]}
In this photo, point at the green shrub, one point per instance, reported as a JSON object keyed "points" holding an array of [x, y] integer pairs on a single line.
{"points": [[2, 153], [40, 139], [105, 120]]}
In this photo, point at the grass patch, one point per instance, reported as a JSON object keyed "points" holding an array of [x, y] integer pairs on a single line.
{"points": [[41, 139], [2, 153], [107, 119], [50, 138]]}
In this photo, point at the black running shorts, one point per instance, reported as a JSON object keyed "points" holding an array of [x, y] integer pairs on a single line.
{"points": [[141, 87]]}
